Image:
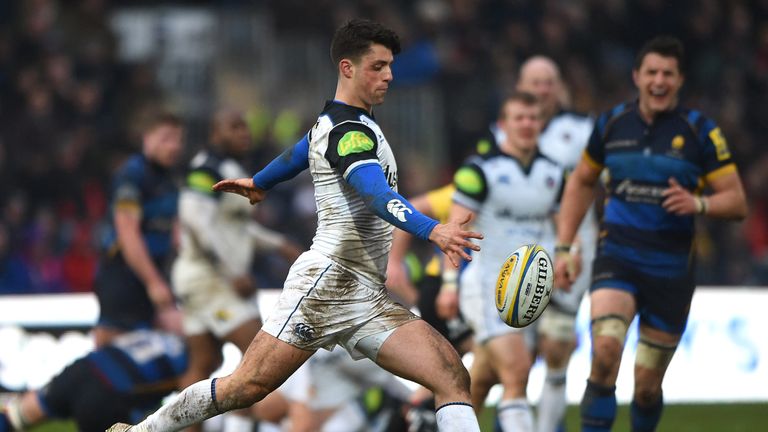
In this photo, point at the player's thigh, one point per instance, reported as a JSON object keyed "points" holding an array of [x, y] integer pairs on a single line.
{"points": [[417, 352], [610, 301], [510, 358], [243, 335], [204, 354], [266, 364]]}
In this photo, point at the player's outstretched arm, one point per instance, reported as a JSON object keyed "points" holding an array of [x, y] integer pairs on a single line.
{"points": [[368, 180], [284, 167]]}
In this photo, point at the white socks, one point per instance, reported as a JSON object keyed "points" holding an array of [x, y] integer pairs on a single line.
{"points": [[515, 415], [189, 407], [552, 404], [457, 417]]}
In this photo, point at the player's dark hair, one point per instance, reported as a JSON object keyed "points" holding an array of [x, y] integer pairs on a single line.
{"points": [[162, 119], [523, 97], [354, 39], [665, 46]]}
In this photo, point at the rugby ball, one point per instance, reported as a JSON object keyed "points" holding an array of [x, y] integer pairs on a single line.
{"points": [[524, 285]]}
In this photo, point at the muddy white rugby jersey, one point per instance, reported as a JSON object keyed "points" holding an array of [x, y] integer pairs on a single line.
{"points": [[218, 228], [343, 138]]}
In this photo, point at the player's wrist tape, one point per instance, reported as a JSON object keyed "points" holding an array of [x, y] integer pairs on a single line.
{"points": [[450, 281], [701, 205], [563, 248]]}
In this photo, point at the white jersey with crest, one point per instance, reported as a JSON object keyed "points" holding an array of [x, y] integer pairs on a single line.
{"points": [[564, 140], [514, 205], [347, 232]]}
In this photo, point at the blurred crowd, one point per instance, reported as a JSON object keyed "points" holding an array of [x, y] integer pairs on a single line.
{"points": [[69, 106]]}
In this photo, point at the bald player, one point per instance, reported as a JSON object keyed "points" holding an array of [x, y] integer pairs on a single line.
{"points": [[211, 276], [563, 140]]}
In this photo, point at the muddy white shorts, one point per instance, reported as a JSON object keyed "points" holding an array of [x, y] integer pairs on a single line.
{"points": [[324, 304]]}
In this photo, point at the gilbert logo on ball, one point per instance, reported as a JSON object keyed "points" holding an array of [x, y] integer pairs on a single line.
{"points": [[524, 285]]}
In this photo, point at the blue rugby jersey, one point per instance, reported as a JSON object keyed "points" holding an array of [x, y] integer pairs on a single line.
{"points": [[150, 188], [141, 362], [640, 158]]}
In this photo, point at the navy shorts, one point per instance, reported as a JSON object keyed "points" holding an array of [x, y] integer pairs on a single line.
{"points": [[80, 393], [123, 300], [662, 303], [456, 331]]}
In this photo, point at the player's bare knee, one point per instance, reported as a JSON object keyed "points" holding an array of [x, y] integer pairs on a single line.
{"points": [[647, 395]]}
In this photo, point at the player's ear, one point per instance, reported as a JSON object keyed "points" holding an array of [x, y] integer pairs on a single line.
{"points": [[346, 68], [635, 76]]}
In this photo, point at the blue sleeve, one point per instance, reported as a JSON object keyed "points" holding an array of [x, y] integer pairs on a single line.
{"points": [[368, 180], [284, 167]]}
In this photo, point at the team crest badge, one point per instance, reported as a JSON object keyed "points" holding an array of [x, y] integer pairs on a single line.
{"points": [[678, 142]]}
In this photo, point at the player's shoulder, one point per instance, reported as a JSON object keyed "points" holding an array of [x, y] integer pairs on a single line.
{"points": [[134, 167], [611, 116], [700, 124], [340, 113], [573, 116], [545, 160]]}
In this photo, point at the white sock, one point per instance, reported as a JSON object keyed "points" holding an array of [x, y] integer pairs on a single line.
{"points": [[193, 405], [515, 415], [552, 404], [457, 417]]}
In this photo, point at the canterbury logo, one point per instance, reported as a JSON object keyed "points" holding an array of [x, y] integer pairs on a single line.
{"points": [[398, 209], [304, 331]]}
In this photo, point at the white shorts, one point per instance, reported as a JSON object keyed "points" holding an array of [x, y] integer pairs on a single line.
{"points": [[209, 303], [323, 305], [478, 305], [337, 378]]}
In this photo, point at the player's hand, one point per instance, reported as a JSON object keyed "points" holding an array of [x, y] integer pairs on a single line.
{"points": [[244, 286], [160, 294], [241, 186], [567, 269], [678, 200], [452, 239], [447, 304], [170, 320]]}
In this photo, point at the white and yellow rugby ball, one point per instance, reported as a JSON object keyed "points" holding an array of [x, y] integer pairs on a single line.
{"points": [[524, 285]]}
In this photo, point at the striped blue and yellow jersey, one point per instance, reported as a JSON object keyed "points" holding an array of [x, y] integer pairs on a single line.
{"points": [[640, 158]]}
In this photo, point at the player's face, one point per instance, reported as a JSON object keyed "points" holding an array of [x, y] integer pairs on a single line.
{"points": [[522, 124], [235, 134], [658, 81], [163, 144], [373, 73], [542, 81]]}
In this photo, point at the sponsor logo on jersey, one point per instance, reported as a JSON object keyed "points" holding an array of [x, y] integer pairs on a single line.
{"points": [[391, 176], [634, 192], [398, 209], [354, 142], [721, 146], [620, 144]]}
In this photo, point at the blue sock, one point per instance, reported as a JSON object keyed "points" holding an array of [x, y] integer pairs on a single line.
{"points": [[598, 408], [645, 419]]}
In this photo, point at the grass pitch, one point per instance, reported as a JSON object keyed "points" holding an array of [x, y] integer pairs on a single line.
{"points": [[677, 418]]}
